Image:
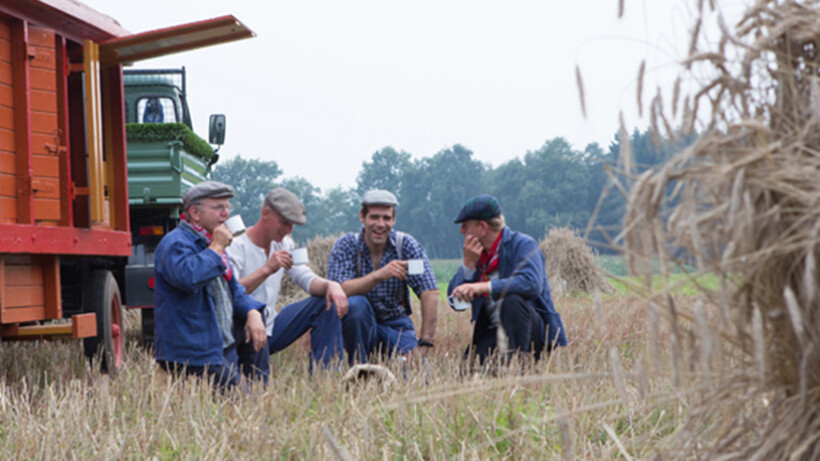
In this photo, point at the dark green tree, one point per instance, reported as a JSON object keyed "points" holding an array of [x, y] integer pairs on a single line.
{"points": [[385, 170], [506, 183], [434, 191], [548, 188], [646, 153], [562, 175], [331, 214], [605, 202], [340, 211], [252, 179], [310, 196]]}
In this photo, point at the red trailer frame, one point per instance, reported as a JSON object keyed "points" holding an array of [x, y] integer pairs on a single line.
{"points": [[64, 223]]}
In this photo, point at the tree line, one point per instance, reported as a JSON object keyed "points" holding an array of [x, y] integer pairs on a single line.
{"points": [[553, 186]]}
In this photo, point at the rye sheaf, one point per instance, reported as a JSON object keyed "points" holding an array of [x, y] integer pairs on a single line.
{"points": [[740, 204]]}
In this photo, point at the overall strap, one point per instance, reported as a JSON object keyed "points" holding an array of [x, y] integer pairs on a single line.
{"points": [[358, 257], [406, 298], [399, 241]]}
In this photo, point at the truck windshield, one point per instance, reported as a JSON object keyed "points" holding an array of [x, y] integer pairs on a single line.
{"points": [[156, 109]]}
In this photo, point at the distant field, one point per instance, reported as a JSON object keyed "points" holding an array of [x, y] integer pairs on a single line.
{"points": [[613, 264], [617, 273], [445, 268]]}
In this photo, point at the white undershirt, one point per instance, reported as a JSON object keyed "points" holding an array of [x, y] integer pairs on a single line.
{"points": [[246, 257]]}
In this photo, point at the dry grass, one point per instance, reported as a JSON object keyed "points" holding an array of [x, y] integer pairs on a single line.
{"points": [[571, 266], [596, 399], [318, 252], [745, 206]]}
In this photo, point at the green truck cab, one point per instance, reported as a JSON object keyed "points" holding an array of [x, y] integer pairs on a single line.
{"points": [[165, 158]]}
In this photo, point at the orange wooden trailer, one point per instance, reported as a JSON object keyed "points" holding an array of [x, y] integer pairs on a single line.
{"points": [[64, 224]]}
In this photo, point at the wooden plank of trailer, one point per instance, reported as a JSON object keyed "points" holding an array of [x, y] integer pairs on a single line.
{"points": [[51, 287], [63, 153], [22, 121], [45, 165], [8, 168], [63, 241], [115, 146], [174, 39], [81, 326], [69, 18]]}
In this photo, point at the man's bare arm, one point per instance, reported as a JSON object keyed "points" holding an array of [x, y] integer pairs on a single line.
{"points": [[278, 260], [332, 292], [255, 278]]}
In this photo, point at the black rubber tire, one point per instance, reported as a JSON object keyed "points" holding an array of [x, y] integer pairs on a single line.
{"points": [[101, 295], [147, 327]]}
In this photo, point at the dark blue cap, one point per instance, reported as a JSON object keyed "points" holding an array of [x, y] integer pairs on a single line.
{"points": [[482, 207]]}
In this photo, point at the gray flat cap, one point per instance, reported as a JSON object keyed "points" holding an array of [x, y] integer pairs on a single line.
{"points": [[379, 197], [206, 189], [287, 204]]}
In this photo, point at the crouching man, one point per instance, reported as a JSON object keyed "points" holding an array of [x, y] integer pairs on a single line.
{"points": [[503, 276], [371, 266]]}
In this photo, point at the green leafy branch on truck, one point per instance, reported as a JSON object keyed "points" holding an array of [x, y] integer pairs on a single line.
{"points": [[158, 132]]}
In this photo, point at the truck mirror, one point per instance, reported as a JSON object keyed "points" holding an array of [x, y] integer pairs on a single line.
{"points": [[216, 130]]}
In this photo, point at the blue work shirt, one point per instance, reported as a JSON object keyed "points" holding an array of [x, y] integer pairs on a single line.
{"points": [[187, 329], [520, 271]]}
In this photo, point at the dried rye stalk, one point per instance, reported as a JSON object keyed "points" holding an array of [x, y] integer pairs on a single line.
{"points": [[580, 82], [641, 71], [318, 254], [744, 208]]}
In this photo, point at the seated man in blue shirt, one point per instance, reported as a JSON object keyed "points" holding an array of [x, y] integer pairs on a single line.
{"points": [[503, 276], [371, 265], [197, 298]]}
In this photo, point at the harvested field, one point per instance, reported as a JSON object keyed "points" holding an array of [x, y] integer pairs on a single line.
{"points": [[600, 398]]}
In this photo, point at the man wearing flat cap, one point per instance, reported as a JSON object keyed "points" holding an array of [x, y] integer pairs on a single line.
{"points": [[371, 266], [503, 276], [200, 307], [261, 257]]}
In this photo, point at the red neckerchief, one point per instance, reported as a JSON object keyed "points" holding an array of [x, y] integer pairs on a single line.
{"points": [[488, 261], [228, 274]]}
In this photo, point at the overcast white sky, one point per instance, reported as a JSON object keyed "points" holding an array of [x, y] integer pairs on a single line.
{"points": [[326, 83]]}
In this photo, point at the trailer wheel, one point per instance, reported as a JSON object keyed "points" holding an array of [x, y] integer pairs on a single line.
{"points": [[101, 295]]}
